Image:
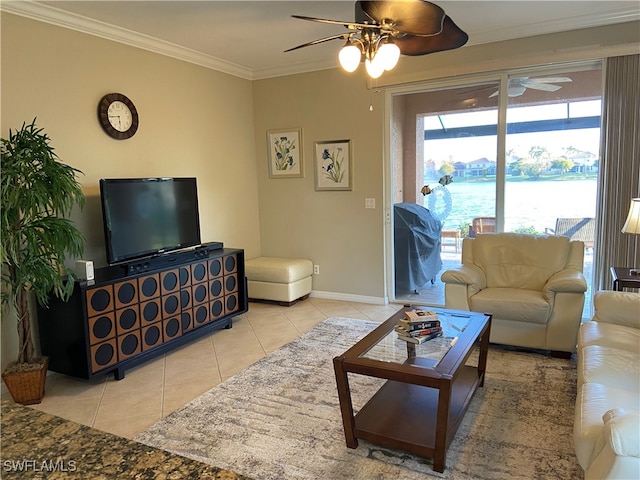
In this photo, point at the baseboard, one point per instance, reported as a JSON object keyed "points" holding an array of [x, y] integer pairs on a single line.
{"points": [[349, 297]]}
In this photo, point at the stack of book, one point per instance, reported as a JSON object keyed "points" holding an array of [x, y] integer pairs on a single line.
{"points": [[419, 326]]}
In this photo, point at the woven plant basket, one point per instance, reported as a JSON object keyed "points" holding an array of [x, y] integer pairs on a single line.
{"points": [[27, 388]]}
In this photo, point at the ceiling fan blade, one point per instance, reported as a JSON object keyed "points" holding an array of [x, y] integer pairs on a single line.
{"points": [[451, 37], [551, 80], [344, 36], [416, 17], [349, 25], [541, 86], [418, 27]]}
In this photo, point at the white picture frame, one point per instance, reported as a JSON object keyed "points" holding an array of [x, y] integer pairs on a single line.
{"points": [[333, 165], [285, 153]]}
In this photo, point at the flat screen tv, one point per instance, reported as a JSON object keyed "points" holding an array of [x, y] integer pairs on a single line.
{"points": [[148, 216]]}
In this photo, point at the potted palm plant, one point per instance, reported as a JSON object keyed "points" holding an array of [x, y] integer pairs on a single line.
{"points": [[37, 193]]}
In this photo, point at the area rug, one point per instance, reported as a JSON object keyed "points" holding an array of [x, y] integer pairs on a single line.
{"points": [[279, 419]]}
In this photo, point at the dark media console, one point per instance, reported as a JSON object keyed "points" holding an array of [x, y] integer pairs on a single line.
{"points": [[121, 319]]}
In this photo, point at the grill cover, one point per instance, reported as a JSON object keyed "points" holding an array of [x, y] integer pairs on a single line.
{"points": [[417, 246]]}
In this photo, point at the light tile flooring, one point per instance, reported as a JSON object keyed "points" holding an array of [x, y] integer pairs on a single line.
{"points": [[153, 390]]}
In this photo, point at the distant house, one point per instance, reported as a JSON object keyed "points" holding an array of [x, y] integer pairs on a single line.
{"points": [[430, 169], [481, 167], [459, 169], [583, 161]]}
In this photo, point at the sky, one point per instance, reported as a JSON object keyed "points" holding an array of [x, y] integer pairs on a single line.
{"points": [[466, 149]]}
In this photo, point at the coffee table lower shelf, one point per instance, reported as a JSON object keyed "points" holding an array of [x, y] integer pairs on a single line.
{"points": [[405, 416]]}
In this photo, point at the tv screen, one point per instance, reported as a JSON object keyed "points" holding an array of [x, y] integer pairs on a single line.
{"points": [[148, 216]]}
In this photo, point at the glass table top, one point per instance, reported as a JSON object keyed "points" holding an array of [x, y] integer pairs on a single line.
{"points": [[392, 349]]}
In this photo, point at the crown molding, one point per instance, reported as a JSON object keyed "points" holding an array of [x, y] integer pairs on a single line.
{"points": [[308, 67], [61, 18], [559, 25]]}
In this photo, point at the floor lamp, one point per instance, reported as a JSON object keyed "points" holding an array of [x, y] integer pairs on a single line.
{"points": [[632, 225]]}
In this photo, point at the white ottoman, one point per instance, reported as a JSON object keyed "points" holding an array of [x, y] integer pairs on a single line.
{"points": [[282, 280]]}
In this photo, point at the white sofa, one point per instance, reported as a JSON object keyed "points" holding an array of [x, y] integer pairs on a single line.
{"points": [[607, 416], [533, 285]]}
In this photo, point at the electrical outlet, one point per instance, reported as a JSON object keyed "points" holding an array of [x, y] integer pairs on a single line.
{"points": [[316, 269]]}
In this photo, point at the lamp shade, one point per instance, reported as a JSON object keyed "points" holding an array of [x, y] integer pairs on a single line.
{"points": [[632, 225]]}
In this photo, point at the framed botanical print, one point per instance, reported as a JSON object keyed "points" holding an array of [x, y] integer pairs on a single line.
{"points": [[333, 165], [285, 153]]}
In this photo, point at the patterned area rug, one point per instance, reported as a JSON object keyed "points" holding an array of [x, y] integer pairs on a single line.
{"points": [[280, 419]]}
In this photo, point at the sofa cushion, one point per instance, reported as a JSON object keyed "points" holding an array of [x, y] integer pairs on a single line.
{"points": [[609, 366], [609, 335], [512, 304], [512, 260], [620, 308], [592, 402]]}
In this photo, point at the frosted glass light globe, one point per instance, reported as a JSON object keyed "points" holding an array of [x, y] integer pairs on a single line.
{"points": [[389, 54], [374, 68], [349, 57]]}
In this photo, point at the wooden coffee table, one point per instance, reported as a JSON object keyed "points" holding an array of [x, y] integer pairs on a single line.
{"points": [[429, 386]]}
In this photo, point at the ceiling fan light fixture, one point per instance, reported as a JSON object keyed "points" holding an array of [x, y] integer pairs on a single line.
{"points": [[388, 54], [374, 68], [385, 30], [349, 57]]}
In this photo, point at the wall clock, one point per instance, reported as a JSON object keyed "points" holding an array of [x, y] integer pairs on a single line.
{"points": [[118, 116]]}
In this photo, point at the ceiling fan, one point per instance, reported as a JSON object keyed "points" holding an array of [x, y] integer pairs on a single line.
{"points": [[518, 85], [383, 30]]}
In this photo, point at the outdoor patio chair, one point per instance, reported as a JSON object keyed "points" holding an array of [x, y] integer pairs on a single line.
{"points": [[482, 225], [582, 229]]}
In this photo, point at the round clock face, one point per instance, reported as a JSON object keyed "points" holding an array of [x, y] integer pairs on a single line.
{"points": [[118, 116]]}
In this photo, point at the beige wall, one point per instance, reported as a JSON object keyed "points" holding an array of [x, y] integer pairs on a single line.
{"points": [[332, 228], [193, 122]]}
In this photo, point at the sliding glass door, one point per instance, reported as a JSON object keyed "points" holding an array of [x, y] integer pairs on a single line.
{"points": [[552, 153], [448, 167], [552, 146], [518, 153]]}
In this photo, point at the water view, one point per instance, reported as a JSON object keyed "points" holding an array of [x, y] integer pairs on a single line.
{"points": [[533, 205]]}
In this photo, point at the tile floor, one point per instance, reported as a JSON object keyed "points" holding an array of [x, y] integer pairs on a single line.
{"points": [[153, 390]]}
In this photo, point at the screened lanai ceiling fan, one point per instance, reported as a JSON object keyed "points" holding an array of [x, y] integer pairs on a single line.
{"points": [[518, 85], [383, 30]]}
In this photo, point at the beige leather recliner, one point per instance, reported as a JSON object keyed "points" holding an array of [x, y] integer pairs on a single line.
{"points": [[532, 284]]}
